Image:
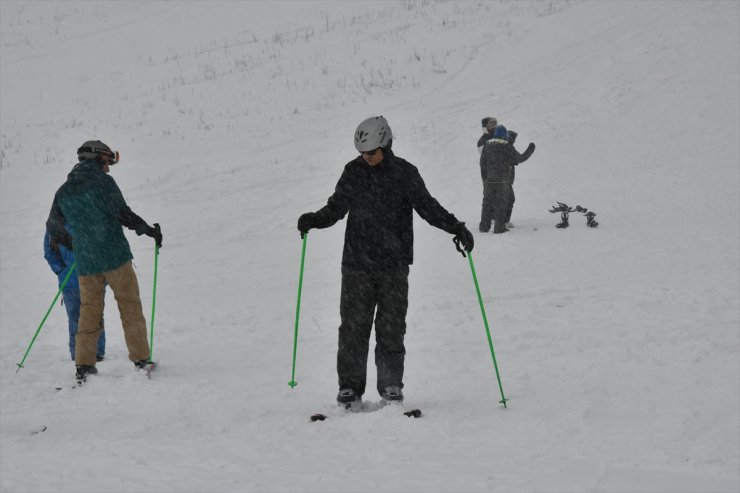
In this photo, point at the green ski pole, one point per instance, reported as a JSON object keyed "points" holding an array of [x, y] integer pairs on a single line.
{"points": [[64, 283], [154, 300], [488, 332], [292, 382]]}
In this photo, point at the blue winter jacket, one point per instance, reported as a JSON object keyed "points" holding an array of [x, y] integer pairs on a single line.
{"points": [[60, 259]]}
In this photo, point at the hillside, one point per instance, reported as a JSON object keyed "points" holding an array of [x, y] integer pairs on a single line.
{"points": [[619, 347]]}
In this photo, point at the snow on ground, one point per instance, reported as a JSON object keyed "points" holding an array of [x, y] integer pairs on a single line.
{"points": [[618, 346]]}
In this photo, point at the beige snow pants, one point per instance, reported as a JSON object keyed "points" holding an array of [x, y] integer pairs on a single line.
{"points": [[125, 287]]}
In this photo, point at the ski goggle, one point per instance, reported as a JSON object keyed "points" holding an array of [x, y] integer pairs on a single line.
{"points": [[370, 153], [113, 156]]}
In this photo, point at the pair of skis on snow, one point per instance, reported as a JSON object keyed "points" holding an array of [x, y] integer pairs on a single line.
{"points": [[362, 408], [414, 413]]}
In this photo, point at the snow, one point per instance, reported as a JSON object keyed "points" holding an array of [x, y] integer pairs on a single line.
{"points": [[619, 347]]}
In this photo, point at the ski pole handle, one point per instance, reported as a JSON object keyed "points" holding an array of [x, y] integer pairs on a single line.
{"points": [[157, 236]]}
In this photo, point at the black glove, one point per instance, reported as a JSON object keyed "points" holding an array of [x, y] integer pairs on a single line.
{"points": [[54, 244], [527, 153], [463, 236], [306, 221], [65, 241], [155, 233]]}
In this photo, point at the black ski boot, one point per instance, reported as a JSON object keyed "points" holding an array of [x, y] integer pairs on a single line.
{"points": [[348, 399], [563, 221], [590, 220], [83, 371], [564, 210], [145, 364], [392, 395]]}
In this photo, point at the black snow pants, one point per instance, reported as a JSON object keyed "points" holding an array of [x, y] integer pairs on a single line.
{"points": [[510, 209], [362, 293], [496, 203]]}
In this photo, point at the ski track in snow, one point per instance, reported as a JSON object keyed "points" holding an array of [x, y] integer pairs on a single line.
{"points": [[618, 347]]}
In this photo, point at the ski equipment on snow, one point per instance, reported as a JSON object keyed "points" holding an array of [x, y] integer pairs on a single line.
{"points": [[147, 366], [154, 297], [414, 413], [83, 371], [564, 210], [488, 332], [53, 302], [38, 429], [590, 220], [292, 382], [392, 394]]}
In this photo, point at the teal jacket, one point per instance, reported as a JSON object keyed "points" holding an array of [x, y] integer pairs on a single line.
{"points": [[92, 204]]}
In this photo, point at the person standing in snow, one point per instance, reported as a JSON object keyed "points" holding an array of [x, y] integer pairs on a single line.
{"points": [[489, 125], [91, 203], [61, 259], [497, 162], [378, 191]]}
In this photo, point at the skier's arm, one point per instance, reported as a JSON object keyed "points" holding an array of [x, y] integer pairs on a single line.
{"points": [[427, 206], [520, 158], [58, 234], [123, 212], [335, 209], [482, 142], [337, 205], [131, 220]]}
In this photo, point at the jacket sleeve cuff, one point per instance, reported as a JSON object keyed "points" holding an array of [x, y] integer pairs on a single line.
{"points": [[142, 228]]}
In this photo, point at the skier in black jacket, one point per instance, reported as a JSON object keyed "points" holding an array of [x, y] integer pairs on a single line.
{"points": [[378, 191], [489, 125], [497, 162]]}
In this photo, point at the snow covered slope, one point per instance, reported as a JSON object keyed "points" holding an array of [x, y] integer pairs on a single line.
{"points": [[619, 347]]}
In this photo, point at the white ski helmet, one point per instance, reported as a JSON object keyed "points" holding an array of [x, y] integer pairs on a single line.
{"points": [[94, 148], [372, 133]]}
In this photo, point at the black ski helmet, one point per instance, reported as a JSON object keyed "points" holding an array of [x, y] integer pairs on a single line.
{"points": [[94, 148]]}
